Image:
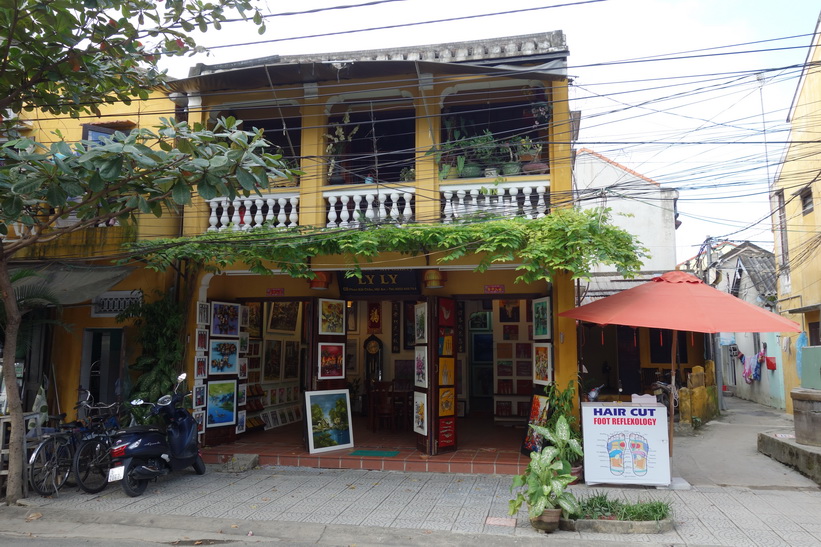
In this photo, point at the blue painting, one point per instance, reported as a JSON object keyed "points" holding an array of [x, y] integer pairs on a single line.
{"points": [[329, 415]]}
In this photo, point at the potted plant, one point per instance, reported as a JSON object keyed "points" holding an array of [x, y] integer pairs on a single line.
{"points": [[560, 407], [543, 486], [529, 151], [509, 151], [486, 151], [339, 135], [407, 174]]}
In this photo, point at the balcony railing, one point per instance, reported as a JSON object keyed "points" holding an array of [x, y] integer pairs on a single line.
{"points": [[357, 206], [528, 199], [277, 210]]}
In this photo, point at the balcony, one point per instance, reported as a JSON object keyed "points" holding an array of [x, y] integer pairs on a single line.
{"points": [[242, 214], [526, 198], [363, 205]]}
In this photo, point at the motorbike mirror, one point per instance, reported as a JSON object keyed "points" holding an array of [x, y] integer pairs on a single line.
{"points": [[136, 402], [182, 377]]}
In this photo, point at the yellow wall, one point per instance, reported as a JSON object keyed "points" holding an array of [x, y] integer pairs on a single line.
{"points": [[801, 164]]}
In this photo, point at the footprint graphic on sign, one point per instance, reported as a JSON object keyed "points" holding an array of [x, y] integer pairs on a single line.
{"points": [[639, 449], [615, 449]]}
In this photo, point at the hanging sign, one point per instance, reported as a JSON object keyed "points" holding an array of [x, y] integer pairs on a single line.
{"points": [[626, 443], [380, 283]]}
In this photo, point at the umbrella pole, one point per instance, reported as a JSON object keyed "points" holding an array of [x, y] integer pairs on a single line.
{"points": [[671, 398]]}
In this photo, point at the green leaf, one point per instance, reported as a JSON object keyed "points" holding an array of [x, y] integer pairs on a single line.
{"points": [[56, 196], [181, 193], [111, 168]]}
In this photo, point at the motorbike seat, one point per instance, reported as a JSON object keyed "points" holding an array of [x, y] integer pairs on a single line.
{"points": [[140, 429]]}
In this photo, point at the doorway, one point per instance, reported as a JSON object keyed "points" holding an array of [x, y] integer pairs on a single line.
{"points": [[102, 364]]}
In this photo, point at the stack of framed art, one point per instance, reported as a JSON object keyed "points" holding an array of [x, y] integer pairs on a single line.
{"points": [[522, 355]]}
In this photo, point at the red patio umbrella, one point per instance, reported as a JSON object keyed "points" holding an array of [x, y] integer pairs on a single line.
{"points": [[679, 301]]}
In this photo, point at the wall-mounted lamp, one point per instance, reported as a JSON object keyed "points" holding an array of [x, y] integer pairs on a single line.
{"points": [[434, 279], [321, 282]]}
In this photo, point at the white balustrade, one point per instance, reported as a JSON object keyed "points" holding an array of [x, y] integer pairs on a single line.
{"points": [[527, 199], [247, 213], [357, 206]]}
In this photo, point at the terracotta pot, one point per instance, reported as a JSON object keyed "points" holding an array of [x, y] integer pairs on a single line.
{"points": [[578, 472], [535, 167], [548, 521]]}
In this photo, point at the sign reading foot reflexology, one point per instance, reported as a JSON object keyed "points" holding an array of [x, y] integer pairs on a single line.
{"points": [[626, 443]]}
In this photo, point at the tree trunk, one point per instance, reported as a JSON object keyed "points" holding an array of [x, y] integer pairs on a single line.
{"points": [[14, 479]]}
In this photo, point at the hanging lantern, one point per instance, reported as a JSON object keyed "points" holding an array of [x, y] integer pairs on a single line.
{"points": [[321, 282], [434, 279]]}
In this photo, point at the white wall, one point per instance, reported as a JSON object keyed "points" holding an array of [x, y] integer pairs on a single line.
{"points": [[651, 207]]}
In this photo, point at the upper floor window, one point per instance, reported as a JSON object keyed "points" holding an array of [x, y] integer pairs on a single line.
{"points": [[97, 132], [806, 200]]}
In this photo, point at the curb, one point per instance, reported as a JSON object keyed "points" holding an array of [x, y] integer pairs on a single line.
{"points": [[617, 526]]}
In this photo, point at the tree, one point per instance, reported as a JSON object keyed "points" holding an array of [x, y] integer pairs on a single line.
{"points": [[68, 57]]}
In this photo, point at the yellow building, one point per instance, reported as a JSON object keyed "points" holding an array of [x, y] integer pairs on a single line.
{"points": [[361, 126], [794, 194]]}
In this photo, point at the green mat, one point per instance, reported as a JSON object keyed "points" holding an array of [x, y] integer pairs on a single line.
{"points": [[377, 453]]}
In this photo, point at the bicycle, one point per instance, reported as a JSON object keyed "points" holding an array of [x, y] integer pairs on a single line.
{"points": [[92, 460], [52, 461]]}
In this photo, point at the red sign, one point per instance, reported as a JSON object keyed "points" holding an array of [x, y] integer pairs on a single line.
{"points": [[447, 432], [274, 292], [494, 289]]}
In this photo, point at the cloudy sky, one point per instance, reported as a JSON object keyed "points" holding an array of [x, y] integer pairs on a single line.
{"points": [[680, 91]]}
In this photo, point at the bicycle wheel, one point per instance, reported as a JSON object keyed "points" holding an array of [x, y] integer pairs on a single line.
{"points": [[50, 466], [91, 464]]}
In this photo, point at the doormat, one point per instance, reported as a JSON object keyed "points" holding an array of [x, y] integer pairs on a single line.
{"points": [[376, 453]]}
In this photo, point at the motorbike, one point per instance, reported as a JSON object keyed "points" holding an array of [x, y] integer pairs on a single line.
{"points": [[663, 391], [142, 453]]}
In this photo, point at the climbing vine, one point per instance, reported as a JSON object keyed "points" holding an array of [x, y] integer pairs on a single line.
{"points": [[569, 240]]}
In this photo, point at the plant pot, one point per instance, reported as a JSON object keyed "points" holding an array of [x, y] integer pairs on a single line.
{"points": [[471, 170], [527, 158], [491, 172], [511, 168], [535, 167], [548, 521], [578, 472]]}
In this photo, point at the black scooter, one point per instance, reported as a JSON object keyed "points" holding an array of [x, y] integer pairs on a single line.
{"points": [[142, 453]]}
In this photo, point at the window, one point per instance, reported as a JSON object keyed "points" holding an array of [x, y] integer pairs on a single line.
{"points": [[806, 200], [814, 333]]}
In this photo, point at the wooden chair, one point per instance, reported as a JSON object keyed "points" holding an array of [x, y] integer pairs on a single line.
{"points": [[382, 406]]}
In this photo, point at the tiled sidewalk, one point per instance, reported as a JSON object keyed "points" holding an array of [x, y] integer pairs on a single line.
{"points": [[459, 503]]}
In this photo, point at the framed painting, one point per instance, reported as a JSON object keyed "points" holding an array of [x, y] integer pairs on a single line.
{"points": [[283, 317], [331, 316], [420, 322], [534, 442], [329, 420], [242, 364], [331, 361], [203, 313], [447, 374], [479, 320], [509, 311], [243, 342], [201, 341], [254, 348], [242, 391], [222, 403], [290, 365], [224, 319], [200, 366], [351, 359], [420, 367], [352, 320], [241, 421], [244, 317], [542, 364], [272, 361], [541, 318], [254, 319], [420, 413], [408, 319], [223, 357], [199, 417], [447, 401], [199, 396]]}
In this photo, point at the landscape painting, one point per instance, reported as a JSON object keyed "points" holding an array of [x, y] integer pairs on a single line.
{"points": [[329, 420], [222, 403]]}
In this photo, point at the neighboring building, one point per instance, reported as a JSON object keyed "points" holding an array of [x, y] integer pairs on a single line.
{"points": [[619, 357], [748, 272], [795, 191], [387, 109]]}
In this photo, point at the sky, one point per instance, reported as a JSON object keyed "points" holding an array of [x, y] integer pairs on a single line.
{"points": [[693, 94]]}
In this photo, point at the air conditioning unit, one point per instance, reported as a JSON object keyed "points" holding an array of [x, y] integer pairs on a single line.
{"points": [[733, 350]]}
